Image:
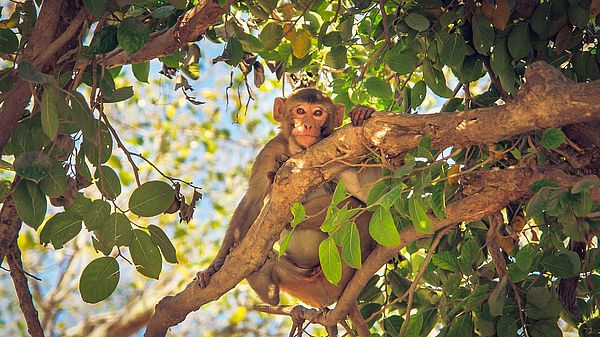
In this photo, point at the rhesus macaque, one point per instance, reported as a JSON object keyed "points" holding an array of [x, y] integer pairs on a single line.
{"points": [[306, 117]]}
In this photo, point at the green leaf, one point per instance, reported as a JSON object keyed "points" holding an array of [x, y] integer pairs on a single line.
{"points": [[378, 87], [545, 328], [30, 202], [50, 99], [151, 198], [349, 240], [145, 254], [118, 95], [331, 263], [421, 221], [483, 34], [55, 183], [582, 203], [382, 228], [235, 51], [83, 115], [332, 39], [446, 260], [583, 185], [438, 199], [132, 34], [298, 213], [500, 59], [90, 146], [553, 138], [115, 231], [540, 20], [519, 41], [96, 7], [32, 165], [80, 205], [538, 185], [339, 194], [336, 58], [9, 43], [498, 297], [160, 238], [417, 94], [99, 279], [108, 182], [388, 199], [461, 326], [271, 35], [564, 265], [435, 80], [454, 50], [141, 71], [393, 324], [60, 229], [29, 73], [506, 326], [403, 62], [96, 214], [578, 15], [417, 22], [105, 40], [414, 326]]}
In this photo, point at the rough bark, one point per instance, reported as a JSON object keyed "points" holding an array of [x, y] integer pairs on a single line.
{"points": [[189, 28], [22, 288], [548, 100]]}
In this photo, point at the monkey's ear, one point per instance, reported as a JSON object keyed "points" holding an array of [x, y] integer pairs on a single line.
{"points": [[338, 114], [278, 105]]}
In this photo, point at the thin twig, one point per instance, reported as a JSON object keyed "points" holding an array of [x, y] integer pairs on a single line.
{"points": [[128, 154], [415, 282], [172, 179], [384, 19], [454, 93]]}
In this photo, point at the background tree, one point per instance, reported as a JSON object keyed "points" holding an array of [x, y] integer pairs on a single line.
{"points": [[512, 196]]}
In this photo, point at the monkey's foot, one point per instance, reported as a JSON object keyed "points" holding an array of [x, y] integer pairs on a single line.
{"points": [[203, 277]]}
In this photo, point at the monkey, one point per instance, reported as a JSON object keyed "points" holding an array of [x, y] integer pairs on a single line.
{"points": [[306, 117]]}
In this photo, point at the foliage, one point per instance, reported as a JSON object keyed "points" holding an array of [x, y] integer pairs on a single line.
{"points": [[398, 56]]}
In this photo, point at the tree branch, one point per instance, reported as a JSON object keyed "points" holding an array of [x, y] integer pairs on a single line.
{"points": [[22, 288], [189, 27], [548, 100]]}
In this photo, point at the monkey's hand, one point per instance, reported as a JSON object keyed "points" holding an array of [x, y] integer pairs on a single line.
{"points": [[360, 114], [280, 159], [203, 277]]}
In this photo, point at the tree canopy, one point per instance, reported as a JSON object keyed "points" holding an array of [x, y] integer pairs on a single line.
{"points": [[486, 221]]}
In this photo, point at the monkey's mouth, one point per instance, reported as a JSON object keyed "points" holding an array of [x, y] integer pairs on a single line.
{"points": [[306, 140]]}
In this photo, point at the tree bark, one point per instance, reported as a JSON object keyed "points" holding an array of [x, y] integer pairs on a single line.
{"points": [[188, 29], [547, 100]]}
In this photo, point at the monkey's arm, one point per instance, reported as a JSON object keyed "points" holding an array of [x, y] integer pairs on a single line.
{"points": [[265, 165]]}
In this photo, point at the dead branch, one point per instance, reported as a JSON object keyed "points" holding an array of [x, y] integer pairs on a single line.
{"points": [[548, 100]]}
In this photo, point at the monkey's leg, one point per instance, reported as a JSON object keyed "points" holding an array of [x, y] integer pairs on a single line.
{"points": [[263, 282]]}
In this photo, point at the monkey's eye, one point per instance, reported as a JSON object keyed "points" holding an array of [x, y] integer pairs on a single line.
{"points": [[300, 111], [318, 112]]}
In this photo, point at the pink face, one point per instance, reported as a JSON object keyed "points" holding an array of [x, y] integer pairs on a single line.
{"points": [[308, 120]]}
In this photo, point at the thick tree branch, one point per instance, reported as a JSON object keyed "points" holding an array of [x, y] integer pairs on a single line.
{"points": [[10, 223], [548, 100], [189, 27], [22, 288]]}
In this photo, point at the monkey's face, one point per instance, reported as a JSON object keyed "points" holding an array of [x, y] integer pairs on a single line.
{"points": [[307, 121]]}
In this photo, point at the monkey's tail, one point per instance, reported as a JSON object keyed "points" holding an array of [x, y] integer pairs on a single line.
{"points": [[358, 322]]}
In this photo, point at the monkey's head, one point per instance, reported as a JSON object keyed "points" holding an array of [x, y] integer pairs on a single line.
{"points": [[307, 116]]}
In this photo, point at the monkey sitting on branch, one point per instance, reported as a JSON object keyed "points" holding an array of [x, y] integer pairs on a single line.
{"points": [[306, 117]]}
